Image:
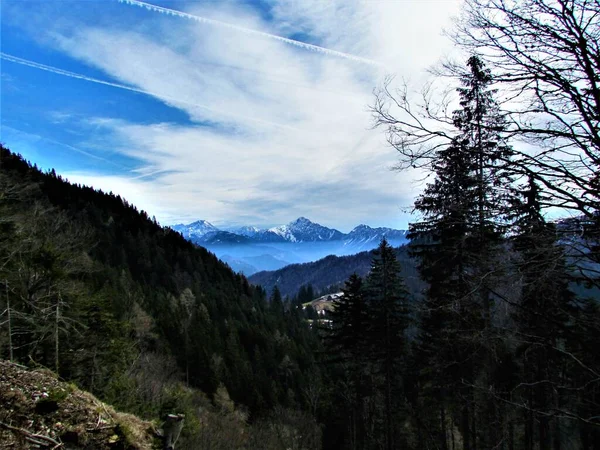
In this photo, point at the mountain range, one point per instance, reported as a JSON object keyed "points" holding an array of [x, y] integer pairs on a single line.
{"points": [[297, 231], [250, 249]]}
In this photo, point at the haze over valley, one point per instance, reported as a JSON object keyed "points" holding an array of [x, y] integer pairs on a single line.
{"points": [[251, 249]]}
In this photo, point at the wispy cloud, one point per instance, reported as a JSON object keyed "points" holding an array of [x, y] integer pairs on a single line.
{"points": [[232, 27], [37, 137], [277, 127], [56, 70]]}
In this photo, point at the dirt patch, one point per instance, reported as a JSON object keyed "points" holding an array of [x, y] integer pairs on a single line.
{"points": [[39, 411]]}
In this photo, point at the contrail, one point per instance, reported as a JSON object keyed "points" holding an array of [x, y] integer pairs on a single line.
{"points": [[58, 71], [78, 76], [70, 147], [156, 172], [230, 26]]}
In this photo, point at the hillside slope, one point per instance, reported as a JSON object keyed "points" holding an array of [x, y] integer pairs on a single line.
{"points": [[331, 271], [107, 298], [39, 411]]}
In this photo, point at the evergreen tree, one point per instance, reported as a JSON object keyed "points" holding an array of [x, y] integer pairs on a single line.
{"points": [[349, 319], [276, 301], [305, 294], [542, 317], [388, 299], [346, 346], [456, 244]]}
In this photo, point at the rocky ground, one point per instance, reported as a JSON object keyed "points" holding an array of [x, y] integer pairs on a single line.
{"points": [[39, 411]]}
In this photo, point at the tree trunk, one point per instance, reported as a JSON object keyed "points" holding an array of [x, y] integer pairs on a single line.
{"points": [[56, 343], [511, 434], [8, 311], [466, 428], [388, 396], [443, 431]]}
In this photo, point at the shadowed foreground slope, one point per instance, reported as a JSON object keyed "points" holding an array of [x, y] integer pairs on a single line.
{"points": [[39, 411]]}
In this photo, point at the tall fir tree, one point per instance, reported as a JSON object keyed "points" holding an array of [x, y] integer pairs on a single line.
{"points": [[346, 340], [388, 302], [443, 248], [542, 318], [457, 243], [349, 321]]}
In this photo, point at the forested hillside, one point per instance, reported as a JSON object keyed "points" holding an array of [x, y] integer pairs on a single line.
{"points": [[502, 350], [107, 298], [329, 272]]}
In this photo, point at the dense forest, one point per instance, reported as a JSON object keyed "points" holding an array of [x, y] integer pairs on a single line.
{"points": [[493, 344], [101, 294], [501, 352]]}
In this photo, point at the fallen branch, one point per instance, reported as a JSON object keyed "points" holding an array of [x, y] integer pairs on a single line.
{"points": [[107, 427], [39, 439]]}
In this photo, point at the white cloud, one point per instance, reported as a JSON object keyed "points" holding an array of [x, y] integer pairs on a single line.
{"points": [[291, 134]]}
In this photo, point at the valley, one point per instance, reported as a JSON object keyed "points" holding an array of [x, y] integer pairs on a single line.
{"points": [[250, 249]]}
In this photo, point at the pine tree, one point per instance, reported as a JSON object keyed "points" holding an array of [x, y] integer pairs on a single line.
{"points": [[456, 242], [388, 299], [441, 244], [349, 319], [542, 316], [276, 302], [347, 347]]}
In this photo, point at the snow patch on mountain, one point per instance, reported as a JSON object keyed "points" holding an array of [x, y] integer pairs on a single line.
{"points": [[248, 231], [195, 229], [363, 234], [303, 230]]}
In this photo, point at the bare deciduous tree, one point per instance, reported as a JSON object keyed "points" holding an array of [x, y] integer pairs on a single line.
{"points": [[545, 56]]}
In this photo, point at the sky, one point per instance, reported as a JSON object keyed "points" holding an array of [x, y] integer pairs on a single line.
{"points": [[241, 112]]}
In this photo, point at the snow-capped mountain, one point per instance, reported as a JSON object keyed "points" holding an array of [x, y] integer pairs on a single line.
{"points": [[303, 230], [257, 234], [195, 229], [364, 234], [248, 231], [251, 249], [297, 231]]}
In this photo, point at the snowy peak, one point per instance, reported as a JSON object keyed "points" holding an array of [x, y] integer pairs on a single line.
{"points": [[303, 230], [361, 229], [366, 234], [302, 222], [248, 231], [257, 234], [195, 229], [297, 231]]}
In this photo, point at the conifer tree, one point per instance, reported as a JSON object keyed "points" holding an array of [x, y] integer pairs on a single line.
{"points": [[346, 343], [276, 301], [441, 244], [349, 319], [388, 299], [541, 318], [456, 243]]}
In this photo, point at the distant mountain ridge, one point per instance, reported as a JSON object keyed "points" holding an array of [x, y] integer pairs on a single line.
{"points": [[333, 271], [303, 230], [297, 231], [250, 249], [195, 230], [364, 234]]}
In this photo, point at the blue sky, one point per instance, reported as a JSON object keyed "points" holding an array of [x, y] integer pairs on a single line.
{"points": [[222, 113]]}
